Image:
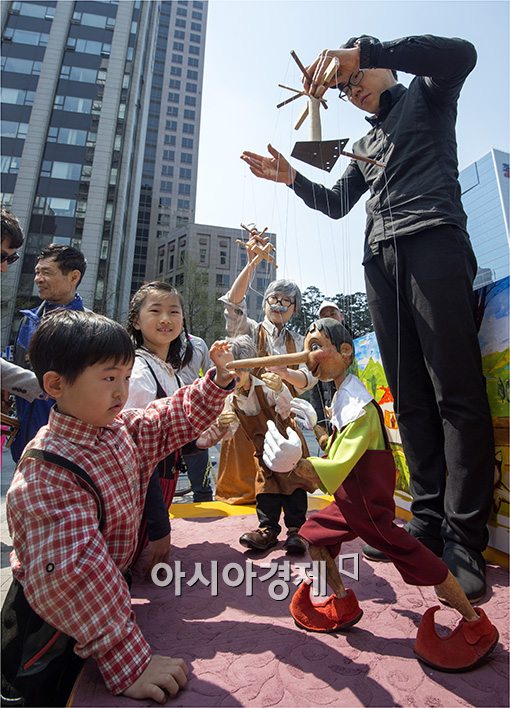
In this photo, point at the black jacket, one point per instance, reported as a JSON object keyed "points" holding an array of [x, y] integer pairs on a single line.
{"points": [[414, 135]]}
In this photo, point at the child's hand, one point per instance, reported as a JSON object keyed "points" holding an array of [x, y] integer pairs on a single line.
{"points": [[159, 551], [211, 436], [221, 354], [162, 676], [273, 381]]}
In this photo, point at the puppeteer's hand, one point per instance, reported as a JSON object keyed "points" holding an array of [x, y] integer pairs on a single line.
{"points": [[281, 454], [272, 381], [347, 61], [163, 675], [304, 413], [275, 168], [221, 354]]}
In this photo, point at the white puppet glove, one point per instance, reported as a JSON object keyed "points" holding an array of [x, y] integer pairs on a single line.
{"points": [[280, 454], [304, 413]]}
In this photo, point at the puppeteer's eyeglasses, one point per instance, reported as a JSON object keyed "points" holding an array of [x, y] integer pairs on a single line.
{"points": [[284, 301], [354, 80]]}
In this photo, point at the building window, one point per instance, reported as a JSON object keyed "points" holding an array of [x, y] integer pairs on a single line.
{"points": [[12, 129], [165, 202], [79, 73], [62, 170], [172, 111], [193, 62], [188, 128], [183, 203], [30, 9], [178, 47], [222, 281], [180, 23], [55, 206], [72, 103], [18, 97], [169, 155], [167, 170], [185, 189], [184, 173], [170, 139], [9, 165], [188, 114], [192, 75], [193, 49], [175, 71], [194, 38], [174, 98], [34, 39], [174, 84], [171, 125], [187, 143], [202, 255], [20, 66], [190, 100], [67, 136], [196, 27], [177, 58], [166, 186], [186, 158]]}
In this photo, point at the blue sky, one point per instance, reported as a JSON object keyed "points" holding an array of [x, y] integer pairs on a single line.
{"points": [[248, 54]]}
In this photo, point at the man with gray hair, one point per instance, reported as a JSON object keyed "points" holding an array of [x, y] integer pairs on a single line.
{"points": [[282, 300]]}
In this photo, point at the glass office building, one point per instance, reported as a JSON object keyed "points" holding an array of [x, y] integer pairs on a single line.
{"points": [[485, 195], [170, 164], [74, 113]]}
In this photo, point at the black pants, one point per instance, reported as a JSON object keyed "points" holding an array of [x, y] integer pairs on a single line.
{"points": [[198, 474], [431, 355], [269, 507]]}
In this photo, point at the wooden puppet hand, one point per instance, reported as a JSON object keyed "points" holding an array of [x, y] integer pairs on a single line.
{"points": [[159, 551], [272, 381], [254, 241], [275, 168], [220, 353], [226, 418], [163, 675], [348, 64], [281, 454]]}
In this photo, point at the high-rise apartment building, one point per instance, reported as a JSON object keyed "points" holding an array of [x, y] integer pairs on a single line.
{"points": [[169, 179], [74, 95], [485, 196]]}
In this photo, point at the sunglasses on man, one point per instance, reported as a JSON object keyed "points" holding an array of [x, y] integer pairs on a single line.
{"points": [[9, 258]]}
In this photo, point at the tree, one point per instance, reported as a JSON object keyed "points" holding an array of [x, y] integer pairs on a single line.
{"points": [[204, 314], [354, 307]]}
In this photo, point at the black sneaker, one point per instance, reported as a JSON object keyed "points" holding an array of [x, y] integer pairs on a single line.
{"points": [[433, 543], [468, 567]]}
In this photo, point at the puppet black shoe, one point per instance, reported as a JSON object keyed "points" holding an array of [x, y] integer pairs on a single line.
{"points": [[295, 545], [260, 539], [468, 567]]}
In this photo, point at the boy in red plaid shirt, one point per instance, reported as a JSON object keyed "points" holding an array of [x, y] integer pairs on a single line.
{"points": [[71, 572]]}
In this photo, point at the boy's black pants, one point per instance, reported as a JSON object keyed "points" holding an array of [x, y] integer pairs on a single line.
{"points": [[431, 355], [269, 507]]}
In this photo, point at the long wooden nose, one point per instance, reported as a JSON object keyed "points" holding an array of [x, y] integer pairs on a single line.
{"points": [[263, 361]]}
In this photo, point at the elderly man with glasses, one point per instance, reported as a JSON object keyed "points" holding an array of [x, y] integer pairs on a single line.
{"points": [[419, 272], [15, 379], [281, 301]]}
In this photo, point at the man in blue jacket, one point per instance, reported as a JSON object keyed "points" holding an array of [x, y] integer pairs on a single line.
{"points": [[58, 272], [419, 272]]}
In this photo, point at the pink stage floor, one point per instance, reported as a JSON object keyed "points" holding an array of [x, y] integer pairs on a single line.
{"points": [[246, 651]]}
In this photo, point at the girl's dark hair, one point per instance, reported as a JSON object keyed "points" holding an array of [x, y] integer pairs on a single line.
{"points": [[69, 341], [180, 350]]}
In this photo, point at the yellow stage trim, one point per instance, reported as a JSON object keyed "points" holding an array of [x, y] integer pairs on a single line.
{"points": [[217, 508]]}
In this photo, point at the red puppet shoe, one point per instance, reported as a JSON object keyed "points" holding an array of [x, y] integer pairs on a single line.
{"points": [[468, 645], [329, 616]]}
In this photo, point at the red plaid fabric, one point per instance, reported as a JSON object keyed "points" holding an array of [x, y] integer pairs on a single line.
{"points": [[70, 571]]}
